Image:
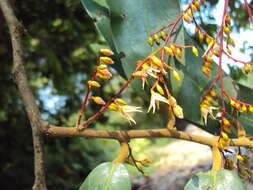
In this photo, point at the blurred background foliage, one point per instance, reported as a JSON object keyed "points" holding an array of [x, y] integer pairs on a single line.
{"points": [[61, 45]]}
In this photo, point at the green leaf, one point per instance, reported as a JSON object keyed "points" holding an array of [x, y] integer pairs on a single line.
{"points": [[107, 176], [220, 180], [98, 11]]}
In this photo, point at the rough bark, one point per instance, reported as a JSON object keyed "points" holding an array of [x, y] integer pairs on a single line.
{"points": [[19, 75]]}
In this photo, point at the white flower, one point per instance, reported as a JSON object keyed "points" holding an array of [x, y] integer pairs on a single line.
{"points": [[155, 98], [205, 110], [125, 110]]}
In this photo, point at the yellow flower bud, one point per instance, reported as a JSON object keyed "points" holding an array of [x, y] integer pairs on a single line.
{"points": [[98, 100], [246, 68], [209, 40], [231, 41], [251, 109], [120, 101], [106, 52], [195, 51], [209, 58], [156, 61], [189, 12], [150, 41], [178, 112], [101, 67], [237, 106], [228, 19], [174, 49], [197, 5], [172, 101], [186, 18], [138, 74], [232, 103], [163, 35], [225, 122], [168, 50], [202, 1], [178, 52], [92, 83], [193, 7], [113, 107], [214, 52], [201, 37], [229, 51], [227, 30], [176, 75], [159, 89], [244, 108], [157, 39], [239, 157], [107, 60], [224, 136]]}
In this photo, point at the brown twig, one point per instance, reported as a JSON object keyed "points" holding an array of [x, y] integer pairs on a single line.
{"points": [[19, 75], [122, 135]]}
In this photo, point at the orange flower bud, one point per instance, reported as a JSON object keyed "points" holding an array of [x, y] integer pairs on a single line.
{"points": [[92, 83], [213, 94], [106, 60], [106, 52], [214, 52], [202, 1], [98, 100]]}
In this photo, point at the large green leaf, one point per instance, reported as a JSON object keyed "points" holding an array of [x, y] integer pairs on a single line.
{"points": [[99, 12], [220, 180], [107, 176], [130, 23]]}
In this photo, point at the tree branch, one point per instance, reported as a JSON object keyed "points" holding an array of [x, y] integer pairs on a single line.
{"points": [[16, 32], [125, 135]]}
